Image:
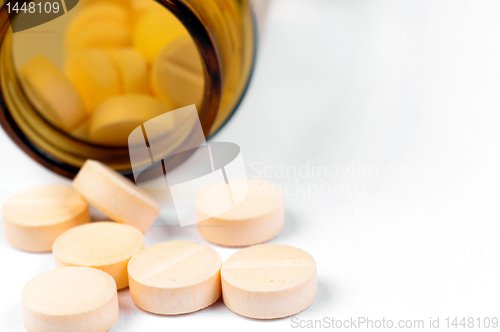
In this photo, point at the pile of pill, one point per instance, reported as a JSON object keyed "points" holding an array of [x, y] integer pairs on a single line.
{"points": [[94, 260], [126, 62], [120, 71]]}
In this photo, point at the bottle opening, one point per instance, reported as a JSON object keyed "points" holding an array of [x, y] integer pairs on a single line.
{"points": [[106, 67], [76, 85]]}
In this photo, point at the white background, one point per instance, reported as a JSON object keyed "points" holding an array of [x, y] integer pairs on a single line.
{"points": [[407, 89]]}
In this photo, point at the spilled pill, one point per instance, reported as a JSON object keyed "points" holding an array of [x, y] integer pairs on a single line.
{"points": [[269, 281], [78, 299], [34, 218], [107, 246], [53, 95], [175, 277], [257, 219], [116, 196]]}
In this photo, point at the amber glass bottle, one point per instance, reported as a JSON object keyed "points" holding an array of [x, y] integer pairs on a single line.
{"points": [[222, 31]]}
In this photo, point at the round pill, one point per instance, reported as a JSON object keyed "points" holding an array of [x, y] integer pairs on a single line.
{"points": [[269, 281], [96, 12], [124, 3], [175, 277], [75, 299], [115, 196], [107, 246], [154, 30], [101, 34], [94, 74], [115, 118], [132, 69], [52, 93], [34, 218], [145, 5], [257, 219], [177, 74]]}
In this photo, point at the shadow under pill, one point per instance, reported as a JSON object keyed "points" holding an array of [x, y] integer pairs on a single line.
{"points": [[127, 306]]}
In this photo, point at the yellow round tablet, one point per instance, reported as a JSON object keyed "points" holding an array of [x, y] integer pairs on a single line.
{"points": [[52, 93], [116, 196], [257, 219], [115, 118], [107, 246], [269, 281], [132, 69], [94, 74], [34, 218], [145, 5], [70, 299], [96, 12], [100, 34], [154, 30], [123, 3], [175, 277], [177, 74]]}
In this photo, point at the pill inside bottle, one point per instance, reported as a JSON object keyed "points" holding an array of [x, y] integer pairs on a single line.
{"points": [[78, 86], [103, 51]]}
